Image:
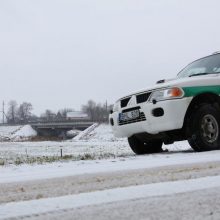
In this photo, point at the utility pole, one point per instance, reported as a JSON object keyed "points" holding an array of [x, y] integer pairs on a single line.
{"points": [[3, 112], [106, 110]]}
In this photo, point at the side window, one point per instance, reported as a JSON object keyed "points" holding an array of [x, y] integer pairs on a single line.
{"points": [[216, 69], [196, 70]]}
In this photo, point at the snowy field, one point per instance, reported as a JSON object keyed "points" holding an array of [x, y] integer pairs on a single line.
{"points": [[98, 143]]}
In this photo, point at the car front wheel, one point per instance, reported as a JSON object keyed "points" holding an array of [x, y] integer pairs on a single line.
{"points": [[205, 129]]}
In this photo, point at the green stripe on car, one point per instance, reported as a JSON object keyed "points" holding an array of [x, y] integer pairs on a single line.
{"points": [[196, 90]]}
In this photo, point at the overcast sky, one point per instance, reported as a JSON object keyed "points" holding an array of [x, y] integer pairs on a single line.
{"points": [[58, 54]]}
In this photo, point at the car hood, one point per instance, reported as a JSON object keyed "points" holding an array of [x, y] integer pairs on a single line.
{"points": [[181, 82]]}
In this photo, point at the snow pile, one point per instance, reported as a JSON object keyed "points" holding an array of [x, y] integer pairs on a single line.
{"points": [[103, 133], [24, 133], [7, 131], [72, 133], [98, 133], [83, 135]]}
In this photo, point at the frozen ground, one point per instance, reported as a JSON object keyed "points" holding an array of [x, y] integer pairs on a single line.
{"points": [[97, 144], [103, 179]]}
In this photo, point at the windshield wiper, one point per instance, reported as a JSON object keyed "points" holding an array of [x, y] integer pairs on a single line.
{"points": [[201, 74]]}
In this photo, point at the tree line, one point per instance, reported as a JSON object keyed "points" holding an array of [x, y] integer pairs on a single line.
{"points": [[98, 112], [19, 113], [23, 113]]}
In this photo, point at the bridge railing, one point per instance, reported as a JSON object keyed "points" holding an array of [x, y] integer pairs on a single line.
{"points": [[63, 123], [54, 122]]}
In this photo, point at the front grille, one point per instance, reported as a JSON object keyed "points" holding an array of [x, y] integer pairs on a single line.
{"points": [[131, 109], [141, 118], [142, 97], [124, 102]]}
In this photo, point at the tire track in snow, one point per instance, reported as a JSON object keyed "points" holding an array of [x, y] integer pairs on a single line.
{"points": [[30, 190], [36, 207]]}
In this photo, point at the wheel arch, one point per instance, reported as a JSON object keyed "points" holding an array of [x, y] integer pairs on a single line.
{"points": [[198, 100]]}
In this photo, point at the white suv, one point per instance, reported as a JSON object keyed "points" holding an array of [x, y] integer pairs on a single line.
{"points": [[184, 108]]}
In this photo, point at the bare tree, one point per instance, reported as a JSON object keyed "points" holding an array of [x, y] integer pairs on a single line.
{"points": [[48, 115], [24, 111], [89, 108], [63, 112], [12, 112], [96, 112]]}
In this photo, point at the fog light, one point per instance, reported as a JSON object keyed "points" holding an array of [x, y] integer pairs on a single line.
{"points": [[157, 112]]}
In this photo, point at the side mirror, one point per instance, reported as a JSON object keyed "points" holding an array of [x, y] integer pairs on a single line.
{"points": [[160, 81]]}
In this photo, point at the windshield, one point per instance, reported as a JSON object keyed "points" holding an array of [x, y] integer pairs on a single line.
{"points": [[207, 65]]}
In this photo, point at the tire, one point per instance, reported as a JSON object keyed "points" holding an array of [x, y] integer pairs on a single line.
{"points": [[205, 129], [140, 147]]}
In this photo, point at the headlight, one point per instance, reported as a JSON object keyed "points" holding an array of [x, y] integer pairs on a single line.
{"points": [[171, 93], [116, 107]]}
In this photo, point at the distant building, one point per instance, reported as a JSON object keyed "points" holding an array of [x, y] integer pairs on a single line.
{"points": [[76, 115]]}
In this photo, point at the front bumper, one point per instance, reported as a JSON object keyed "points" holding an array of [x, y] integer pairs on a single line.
{"points": [[172, 119]]}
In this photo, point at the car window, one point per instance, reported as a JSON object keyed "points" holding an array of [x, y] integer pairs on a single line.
{"points": [[210, 64]]}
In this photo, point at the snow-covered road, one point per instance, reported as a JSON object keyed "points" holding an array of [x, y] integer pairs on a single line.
{"points": [[196, 205], [60, 189], [41, 206], [110, 182]]}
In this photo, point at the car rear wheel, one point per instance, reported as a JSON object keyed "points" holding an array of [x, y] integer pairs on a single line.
{"points": [[205, 129], [144, 147]]}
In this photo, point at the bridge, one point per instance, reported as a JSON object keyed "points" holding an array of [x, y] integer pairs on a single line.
{"points": [[57, 128]]}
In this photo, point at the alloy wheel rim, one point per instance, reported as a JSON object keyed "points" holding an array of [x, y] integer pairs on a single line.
{"points": [[209, 128]]}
